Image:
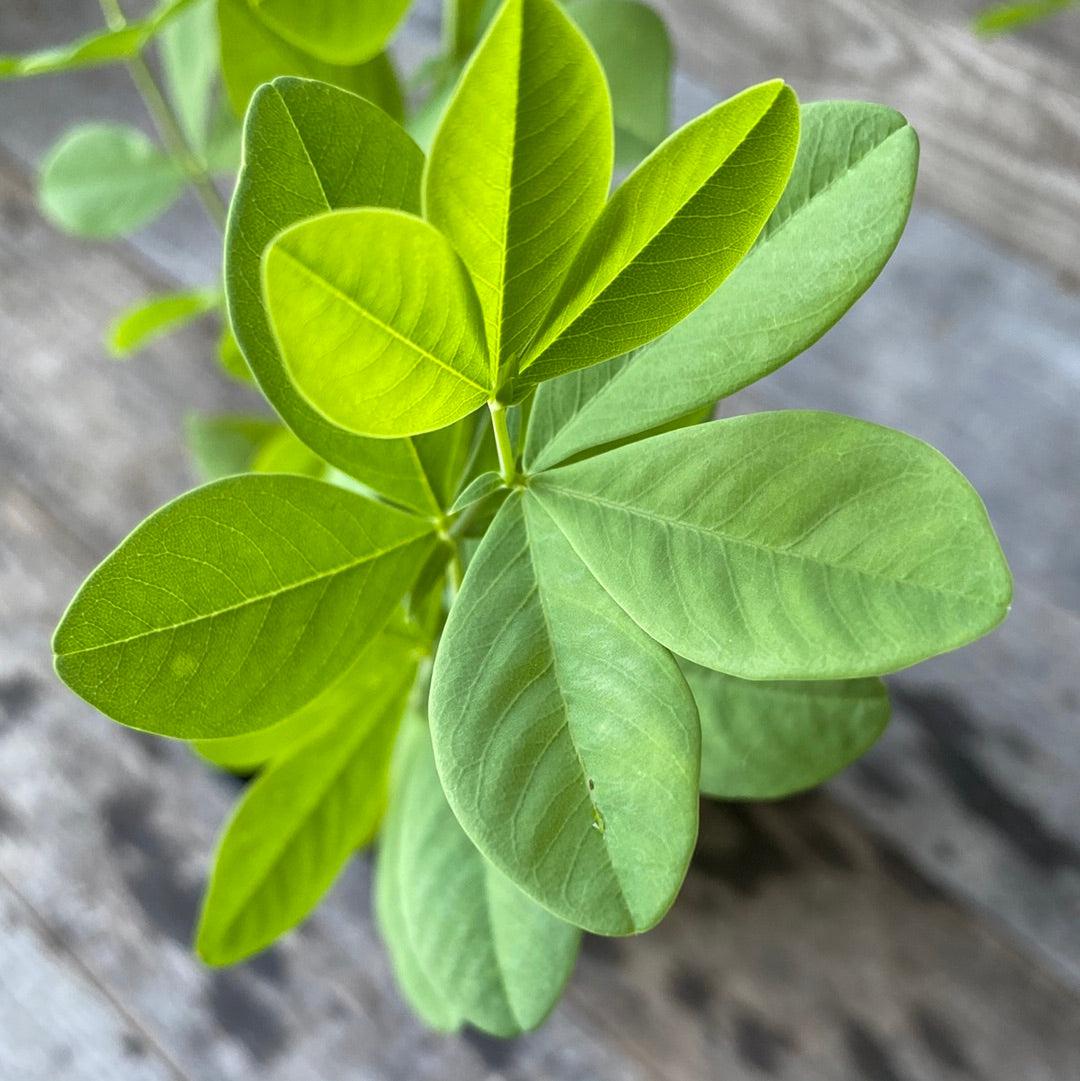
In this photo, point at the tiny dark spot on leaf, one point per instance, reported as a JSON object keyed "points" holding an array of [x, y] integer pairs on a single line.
{"points": [[592, 784]]}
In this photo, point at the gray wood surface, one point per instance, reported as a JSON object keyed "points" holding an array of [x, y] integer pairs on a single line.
{"points": [[918, 919]]}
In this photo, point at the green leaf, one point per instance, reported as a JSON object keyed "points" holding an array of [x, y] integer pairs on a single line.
{"points": [[302, 819], [794, 545], [189, 61], [463, 22], [1005, 18], [833, 230], [767, 740], [672, 232], [635, 52], [102, 47], [235, 604], [106, 180], [478, 489], [567, 740], [223, 445], [158, 316], [230, 357], [252, 54], [431, 1005], [284, 453], [223, 141], [393, 352], [335, 31], [308, 148], [521, 165], [496, 958]]}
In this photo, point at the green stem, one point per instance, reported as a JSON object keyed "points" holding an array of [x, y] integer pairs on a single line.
{"points": [[172, 136], [503, 444]]}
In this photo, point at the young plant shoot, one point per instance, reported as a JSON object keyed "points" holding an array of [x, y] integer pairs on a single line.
{"points": [[538, 602]]}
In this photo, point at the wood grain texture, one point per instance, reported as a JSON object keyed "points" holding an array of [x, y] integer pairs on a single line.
{"points": [[999, 120]]}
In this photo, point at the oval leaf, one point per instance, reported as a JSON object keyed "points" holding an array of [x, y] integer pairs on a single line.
{"points": [[672, 232], [297, 163], [235, 604], [767, 740], [154, 318], [835, 227], [567, 740], [384, 344], [794, 545], [337, 31], [521, 165], [106, 180], [299, 823], [495, 957]]}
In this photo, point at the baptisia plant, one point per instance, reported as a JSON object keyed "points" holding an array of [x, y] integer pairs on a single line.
{"points": [[545, 602]]}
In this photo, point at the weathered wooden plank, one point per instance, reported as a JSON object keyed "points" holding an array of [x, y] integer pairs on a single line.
{"points": [[54, 1022], [999, 121]]}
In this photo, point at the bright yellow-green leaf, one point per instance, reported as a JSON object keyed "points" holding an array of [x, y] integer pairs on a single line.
{"points": [[284, 453], [235, 604], [154, 318], [672, 231], [392, 351], [521, 165]]}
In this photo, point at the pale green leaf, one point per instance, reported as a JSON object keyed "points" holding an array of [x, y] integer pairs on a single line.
{"points": [[252, 54], [833, 230], [463, 22], [223, 445], [567, 740], [395, 352], [430, 1004], [767, 740], [479, 488], [335, 31], [302, 819], [189, 61], [105, 180], [235, 604], [496, 958], [672, 231], [158, 316], [309, 148], [223, 141], [635, 52], [789, 545], [521, 165]]}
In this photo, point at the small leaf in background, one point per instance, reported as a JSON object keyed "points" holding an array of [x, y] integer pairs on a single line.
{"points": [[1005, 18], [671, 233], [189, 61], [252, 54], [336, 31], [767, 740], [492, 956], [107, 180], [224, 141], [831, 233], [103, 47], [304, 817], [298, 164], [521, 165], [158, 316], [566, 738], [222, 446], [389, 352], [463, 23], [230, 357], [235, 604], [479, 488], [635, 52], [284, 453], [806, 545]]}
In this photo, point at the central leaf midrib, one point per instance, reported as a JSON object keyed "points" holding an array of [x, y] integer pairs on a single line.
{"points": [[247, 602], [371, 317], [726, 538]]}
